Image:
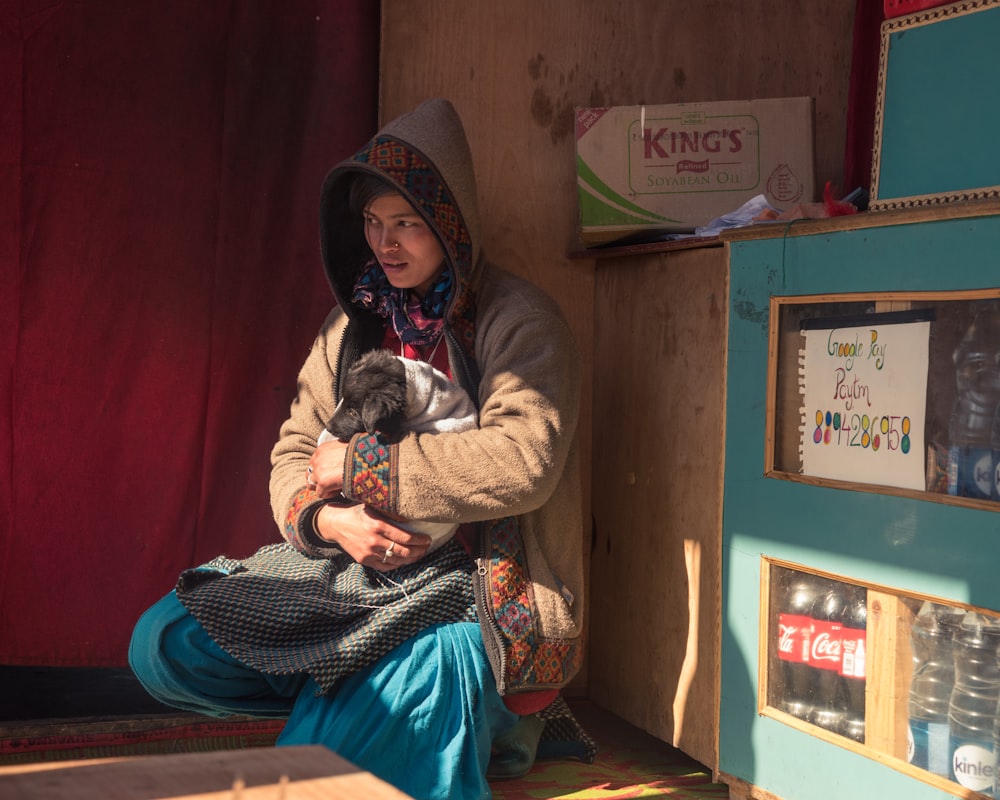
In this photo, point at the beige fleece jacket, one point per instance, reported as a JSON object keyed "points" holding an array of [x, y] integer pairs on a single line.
{"points": [[518, 473]]}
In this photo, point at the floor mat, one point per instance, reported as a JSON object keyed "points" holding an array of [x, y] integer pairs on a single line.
{"points": [[52, 715], [58, 740], [629, 764], [613, 777]]}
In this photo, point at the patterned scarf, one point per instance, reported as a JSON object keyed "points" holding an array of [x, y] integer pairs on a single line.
{"points": [[416, 321]]}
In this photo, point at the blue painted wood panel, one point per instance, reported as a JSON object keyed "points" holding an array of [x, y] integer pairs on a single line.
{"points": [[910, 544], [940, 106]]}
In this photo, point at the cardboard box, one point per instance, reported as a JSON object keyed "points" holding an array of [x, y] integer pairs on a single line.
{"points": [[648, 170]]}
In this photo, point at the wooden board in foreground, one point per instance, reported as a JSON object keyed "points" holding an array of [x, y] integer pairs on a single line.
{"points": [[264, 773]]}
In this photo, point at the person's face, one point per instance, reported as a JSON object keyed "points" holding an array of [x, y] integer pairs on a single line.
{"points": [[404, 245]]}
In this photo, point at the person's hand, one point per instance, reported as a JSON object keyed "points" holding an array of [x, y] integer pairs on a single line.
{"points": [[325, 473], [370, 538]]}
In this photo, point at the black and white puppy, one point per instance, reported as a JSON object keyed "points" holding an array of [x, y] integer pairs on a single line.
{"points": [[391, 395], [372, 398]]}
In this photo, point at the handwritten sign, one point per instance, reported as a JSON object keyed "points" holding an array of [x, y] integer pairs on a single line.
{"points": [[864, 396]]}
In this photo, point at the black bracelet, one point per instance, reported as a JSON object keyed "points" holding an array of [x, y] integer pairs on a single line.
{"points": [[307, 521]]}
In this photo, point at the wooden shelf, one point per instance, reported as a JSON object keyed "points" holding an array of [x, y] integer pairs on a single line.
{"points": [[868, 219], [799, 227], [645, 248]]}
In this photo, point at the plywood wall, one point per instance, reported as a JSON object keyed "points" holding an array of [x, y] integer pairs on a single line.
{"points": [[656, 561], [517, 69]]}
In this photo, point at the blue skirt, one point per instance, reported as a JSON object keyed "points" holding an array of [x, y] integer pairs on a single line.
{"points": [[422, 718]]}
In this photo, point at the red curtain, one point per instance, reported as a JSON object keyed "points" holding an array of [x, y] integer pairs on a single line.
{"points": [[863, 94], [160, 284]]}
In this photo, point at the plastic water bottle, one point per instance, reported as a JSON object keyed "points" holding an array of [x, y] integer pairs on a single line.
{"points": [[971, 471], [996, 453], [974, 701], [970, 451], [931, 686], [996, 747]]}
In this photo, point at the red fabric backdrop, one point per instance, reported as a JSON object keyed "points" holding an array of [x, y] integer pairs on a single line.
{"points": [[863, 96], [160, 283], [160, 166]]}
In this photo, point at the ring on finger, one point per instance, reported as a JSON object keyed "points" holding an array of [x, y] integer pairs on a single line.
{"points": [[388, 552]]}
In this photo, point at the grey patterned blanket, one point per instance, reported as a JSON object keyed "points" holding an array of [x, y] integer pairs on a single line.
{"points": [[282, 612]]}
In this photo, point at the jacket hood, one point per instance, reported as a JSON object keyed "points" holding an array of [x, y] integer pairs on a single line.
{"points": [[426, 156]]}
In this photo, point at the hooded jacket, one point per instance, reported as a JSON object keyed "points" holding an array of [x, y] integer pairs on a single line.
{"points": [[516, 477]]}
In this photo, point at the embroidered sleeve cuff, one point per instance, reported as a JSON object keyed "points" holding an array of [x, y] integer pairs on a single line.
{"points": [[299, 529], [370, 472]]}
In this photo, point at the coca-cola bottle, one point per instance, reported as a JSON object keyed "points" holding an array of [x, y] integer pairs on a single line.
{"points": [[828, 612], [797, 593], [853, 652]]}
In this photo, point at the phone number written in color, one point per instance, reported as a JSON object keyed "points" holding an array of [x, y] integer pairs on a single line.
{"points": [[861, 430]]}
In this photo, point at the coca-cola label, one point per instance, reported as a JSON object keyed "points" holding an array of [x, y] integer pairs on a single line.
{"points": [[825, 652], [852, 658], [794, 637]]}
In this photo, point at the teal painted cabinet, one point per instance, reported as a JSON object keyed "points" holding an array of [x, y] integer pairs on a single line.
{"points": [[905, 541]]}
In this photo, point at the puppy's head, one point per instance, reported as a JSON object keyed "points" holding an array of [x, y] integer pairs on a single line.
{"points": [[372, 398]]}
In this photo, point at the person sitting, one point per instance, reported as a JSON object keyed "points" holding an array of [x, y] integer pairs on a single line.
{"points": [[436, 671]]}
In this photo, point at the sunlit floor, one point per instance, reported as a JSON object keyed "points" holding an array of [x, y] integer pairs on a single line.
{"points": [[50, 715], [629, 763]]}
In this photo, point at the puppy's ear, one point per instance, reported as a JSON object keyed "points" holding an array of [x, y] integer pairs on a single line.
{"points": [[383, 411]]}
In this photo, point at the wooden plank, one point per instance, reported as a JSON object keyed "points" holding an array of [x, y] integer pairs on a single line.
{"points": [[766, 634], [887, 690], [647, 248], [283, 773], [659, 365], [518, 69], [894, 297], [909, 216], [781, 436], [743, 790]]}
